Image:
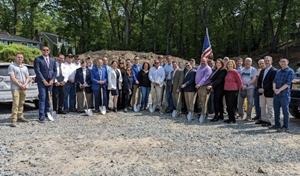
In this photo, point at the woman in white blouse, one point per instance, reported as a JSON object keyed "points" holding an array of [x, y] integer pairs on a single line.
{"points": [[114, 82]]}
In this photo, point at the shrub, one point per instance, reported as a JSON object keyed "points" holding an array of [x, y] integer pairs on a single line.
{"points": [[9, 52]]}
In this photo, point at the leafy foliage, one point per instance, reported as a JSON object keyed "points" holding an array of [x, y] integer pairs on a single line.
{"points": [[9, 52]]}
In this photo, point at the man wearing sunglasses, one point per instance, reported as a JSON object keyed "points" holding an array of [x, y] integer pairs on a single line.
{"points": [[45, 69]]}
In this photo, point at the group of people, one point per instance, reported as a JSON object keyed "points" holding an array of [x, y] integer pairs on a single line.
{"points": [[217, 87]]}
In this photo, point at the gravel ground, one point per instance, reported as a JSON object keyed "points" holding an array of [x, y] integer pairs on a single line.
{"points": [[144, 144]]}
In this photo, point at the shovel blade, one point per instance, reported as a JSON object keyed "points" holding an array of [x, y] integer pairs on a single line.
{"points": [[136, 108], [152, 108], [103, 110], [174, 113], [50, 117]]}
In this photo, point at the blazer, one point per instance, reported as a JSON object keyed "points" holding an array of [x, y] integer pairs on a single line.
{"points": [[218, 80], [176, 80], [95, 77], [268, 81], [42, 71], [189, 81], [112, 79], [79, 80]]}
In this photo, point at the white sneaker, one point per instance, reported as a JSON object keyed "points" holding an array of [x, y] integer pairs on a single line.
{"points": [[201, 119]]}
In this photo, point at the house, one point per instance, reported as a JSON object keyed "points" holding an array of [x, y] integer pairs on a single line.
{"points": [[8, 39], [52, 40]]}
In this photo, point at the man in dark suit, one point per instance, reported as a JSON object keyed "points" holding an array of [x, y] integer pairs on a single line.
{"points": [[59, 85], [45, 70], [176, 82], [188, 87], [83, 83], [265, 89]]}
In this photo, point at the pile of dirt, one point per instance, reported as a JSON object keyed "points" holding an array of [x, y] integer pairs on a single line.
{"points": [[116, 55]]}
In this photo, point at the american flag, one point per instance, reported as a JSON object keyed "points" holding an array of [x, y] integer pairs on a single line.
{"points": [[206, 49]]}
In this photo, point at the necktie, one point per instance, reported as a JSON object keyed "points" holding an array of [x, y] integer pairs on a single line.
{"points": [[60, 71], [47, 61]]}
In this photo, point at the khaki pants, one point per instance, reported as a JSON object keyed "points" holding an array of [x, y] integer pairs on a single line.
{"points": [[18, 104], [203, 98], [189, 98], [81, 100], [175, 97], [135, 87], [156, 94], [267, 110]]}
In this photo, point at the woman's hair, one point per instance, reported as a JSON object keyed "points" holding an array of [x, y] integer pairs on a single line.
{"points": [[145, 64], [221, 61], [233, 63], [129, 69], [114, 61]]}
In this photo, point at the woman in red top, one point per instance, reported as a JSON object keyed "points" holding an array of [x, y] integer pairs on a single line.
{"points": [[233, 82]]}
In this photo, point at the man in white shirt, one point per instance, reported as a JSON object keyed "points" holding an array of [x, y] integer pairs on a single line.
{"points": [[59, 85], [157, 77], [76, 61], [70, 92]]}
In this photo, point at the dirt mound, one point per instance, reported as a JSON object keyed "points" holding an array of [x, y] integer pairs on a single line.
{"points": [[116, 55]]}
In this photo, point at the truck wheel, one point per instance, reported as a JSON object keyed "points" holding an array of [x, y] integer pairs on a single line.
{"points": [[295, 113], [36, 104]]}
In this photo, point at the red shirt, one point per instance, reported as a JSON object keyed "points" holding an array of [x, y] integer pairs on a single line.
{"points": [[233, 80]]}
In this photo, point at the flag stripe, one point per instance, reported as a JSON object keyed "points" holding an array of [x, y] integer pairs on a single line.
{"points": [[206, 49]]}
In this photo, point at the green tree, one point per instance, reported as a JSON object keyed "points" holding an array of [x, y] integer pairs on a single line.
{"points": [[55, 51], [63, 50]]}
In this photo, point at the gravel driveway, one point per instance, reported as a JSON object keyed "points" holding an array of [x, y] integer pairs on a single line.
{"points": [[144, 144]]}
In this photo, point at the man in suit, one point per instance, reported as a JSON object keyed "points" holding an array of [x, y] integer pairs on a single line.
{"points": [[136, 68], [45, 70], [176, 81], [83, 83], [59, 85], [99, 80], [265, 89], [188, 87]]}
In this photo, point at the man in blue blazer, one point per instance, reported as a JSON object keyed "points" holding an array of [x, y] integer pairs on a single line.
{"points": [[99, 79], [45, 70]]}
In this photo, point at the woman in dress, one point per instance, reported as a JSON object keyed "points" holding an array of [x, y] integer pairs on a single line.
{"points": [[127, 87], [145, 83], [217, 86], [114, 83], [233, 82]]}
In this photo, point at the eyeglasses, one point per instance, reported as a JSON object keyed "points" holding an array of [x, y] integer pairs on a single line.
{"points": [[45, 50], [187, 65]]}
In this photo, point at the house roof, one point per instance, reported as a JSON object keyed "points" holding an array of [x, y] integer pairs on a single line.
{"points": [[15, 38], [52, 37]]}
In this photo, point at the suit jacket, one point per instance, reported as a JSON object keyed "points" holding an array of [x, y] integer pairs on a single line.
{"points": [[218, 80], [42, 71], [112, 79], [79, 80], [176, 80], [95, 77], [189, 81], [268, 81]]}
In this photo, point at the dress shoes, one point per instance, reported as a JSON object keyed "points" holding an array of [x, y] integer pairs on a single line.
{"points": [[266, 124]]}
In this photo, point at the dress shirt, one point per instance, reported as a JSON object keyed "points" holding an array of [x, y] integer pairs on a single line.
{"points": [[157, 75], [64, 71], [168, 68], [284, 77], [202, 75], [70, 70]]}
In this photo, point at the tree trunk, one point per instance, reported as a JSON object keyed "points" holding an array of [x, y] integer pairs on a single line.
{"points": [[275, 39], [15, 2], [112, 23]]}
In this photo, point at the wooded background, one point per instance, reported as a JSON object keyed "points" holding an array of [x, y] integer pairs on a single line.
{"points": [[175, 27]]}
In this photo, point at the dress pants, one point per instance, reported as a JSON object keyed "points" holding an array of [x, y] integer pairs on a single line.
{"points": [[156, 93], [218, 103], [257, 103], [250, 93], [98, 98], [133, 97], [203, 98], [58, 97], [175, 98], [267, 110], [81, 101], [169, 95], [44, 105], [189, 97], [230, 97]]}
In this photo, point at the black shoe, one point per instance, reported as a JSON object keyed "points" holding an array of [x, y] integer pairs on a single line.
{"points": [[67, 110], [73, 110], [266, 124], [214, 119], [220, 117], [229, 121], [169, 111], [61, 112], [282, 129], [42, 119], [256, 118], [115, 109], [274, 127], [260, 122]]}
